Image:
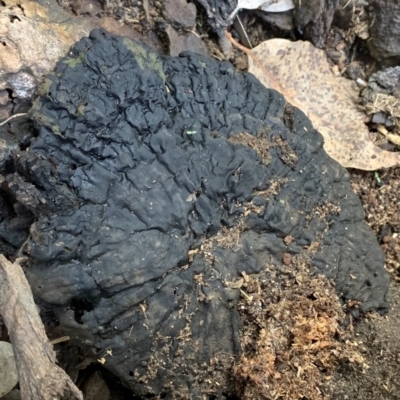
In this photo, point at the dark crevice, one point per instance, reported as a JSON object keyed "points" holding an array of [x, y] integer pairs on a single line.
{"points": [[79, 306], [13, 18], [10, 93], [22, 9]]}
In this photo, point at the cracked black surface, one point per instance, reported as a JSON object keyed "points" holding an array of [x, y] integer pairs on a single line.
{"points": [[131, 169]]}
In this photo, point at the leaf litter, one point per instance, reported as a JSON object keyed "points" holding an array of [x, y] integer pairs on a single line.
{"points": [[301, 73], [389, 105]]}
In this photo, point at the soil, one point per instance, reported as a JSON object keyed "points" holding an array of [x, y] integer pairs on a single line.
{"points": [[377, 336], [352, 358]]}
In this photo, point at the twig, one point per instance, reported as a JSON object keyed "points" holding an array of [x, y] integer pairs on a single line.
{"points": [[12, 117], [39, 376], [60, 340], [146, 9]]}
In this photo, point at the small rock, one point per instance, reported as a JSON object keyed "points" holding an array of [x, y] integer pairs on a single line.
{"points": [[335, 55], [379, 118], [8, 368], [180, 13], [282, 20], [185, 42], [389, 123], [385, 30], [388, 81], [355, 70], [87, 7], [286, 258], [120, 13], [95, 388]]}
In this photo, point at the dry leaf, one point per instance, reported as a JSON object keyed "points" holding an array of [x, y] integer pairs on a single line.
{"points": [[302, 74]]}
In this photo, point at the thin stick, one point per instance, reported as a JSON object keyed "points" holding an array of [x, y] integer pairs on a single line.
{"points": [[12, 117], [60, 340], [40, 378]]}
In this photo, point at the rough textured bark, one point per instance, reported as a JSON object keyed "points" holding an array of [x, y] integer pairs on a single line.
{"points": [[39, 376], [314, 18]]}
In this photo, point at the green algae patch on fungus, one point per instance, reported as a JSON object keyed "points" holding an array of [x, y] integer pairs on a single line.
{"points": [[144, 58]]}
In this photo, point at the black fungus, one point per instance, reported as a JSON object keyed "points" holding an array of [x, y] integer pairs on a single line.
{"points": [[140, 159]]}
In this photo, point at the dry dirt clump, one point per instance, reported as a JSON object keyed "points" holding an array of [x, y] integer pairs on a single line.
{"points": [[292, 338]]}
